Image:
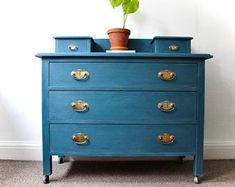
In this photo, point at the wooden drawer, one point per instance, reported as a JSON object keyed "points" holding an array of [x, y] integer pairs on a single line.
{"points": [[73, 44], [123, 76], [122, 107], [121, 140], [172, 44]]}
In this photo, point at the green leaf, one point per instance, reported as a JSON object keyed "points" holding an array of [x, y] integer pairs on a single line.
{"points": [[130, 6], [115, 3]]}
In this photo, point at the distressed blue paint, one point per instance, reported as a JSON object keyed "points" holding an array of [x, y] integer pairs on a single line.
{"points": [[143, 45], [84, 44], [120, 55], [198, 158], [161, 44], [47, 160], [114, 76], [123, 91], [121, 140], [128, 106]]}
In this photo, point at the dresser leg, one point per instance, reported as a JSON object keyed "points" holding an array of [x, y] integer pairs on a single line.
{"points": [[46, 179], [198, 166], [196, 180], [47, 168], [180, 160], [60, 159]]}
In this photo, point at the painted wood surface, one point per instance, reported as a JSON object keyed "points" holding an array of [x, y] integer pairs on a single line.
{"points": [[123, 92], [121, 55], [123, 76], [122, 107], [162, 44], [83, 44], [156, 45], [122, 140], [46, 156]]}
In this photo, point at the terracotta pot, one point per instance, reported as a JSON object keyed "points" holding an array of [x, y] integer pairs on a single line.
{"points": [[118, 38]]}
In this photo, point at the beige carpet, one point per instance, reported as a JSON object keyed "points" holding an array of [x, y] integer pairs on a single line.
{"points": [[113, 174]]}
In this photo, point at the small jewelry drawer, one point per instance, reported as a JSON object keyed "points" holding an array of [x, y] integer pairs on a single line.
{"points": [[122, 107], [172, 44], [122, 140], [73, 44]]}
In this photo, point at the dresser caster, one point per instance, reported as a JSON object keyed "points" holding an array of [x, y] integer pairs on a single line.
{"points": [[180, 160], [196, 180], [45, 179], [61, 160]]}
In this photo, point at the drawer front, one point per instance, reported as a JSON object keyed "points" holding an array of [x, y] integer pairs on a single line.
{"points": [[123, 76], [172, 44], [121, 140], [66, 45], [169, 46], [122, 107]]}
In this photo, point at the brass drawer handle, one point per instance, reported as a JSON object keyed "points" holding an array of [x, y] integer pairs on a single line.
{"points": [[73, 47], [166, 75], [80, 138], [174, 47], [166, 138], [166, 106], [80, 74], [80, 106]]}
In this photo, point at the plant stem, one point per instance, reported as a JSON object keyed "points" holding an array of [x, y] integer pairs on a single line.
{"points": [[124, 20]]}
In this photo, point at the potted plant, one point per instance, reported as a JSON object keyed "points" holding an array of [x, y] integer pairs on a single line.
{"points": [[119, 36]]}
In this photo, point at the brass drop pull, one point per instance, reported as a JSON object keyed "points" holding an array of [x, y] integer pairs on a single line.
{"points": [[166, 138], [174, 47], [80, 74], [80, 106], [80, 138], [166, 106], [166, 75], [73, 47]]}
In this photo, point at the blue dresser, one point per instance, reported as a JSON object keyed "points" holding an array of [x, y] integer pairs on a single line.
{"points": [[144, 104]]}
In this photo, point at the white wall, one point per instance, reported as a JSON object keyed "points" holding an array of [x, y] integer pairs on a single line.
{"points": [[27, 27]]}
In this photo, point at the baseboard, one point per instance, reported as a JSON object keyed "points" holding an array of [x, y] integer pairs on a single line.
{"points": [[219, 150], [20, 150], [28, 150]]}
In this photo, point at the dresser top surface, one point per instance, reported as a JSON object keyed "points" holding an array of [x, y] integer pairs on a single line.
{"points": [[131, 55]]}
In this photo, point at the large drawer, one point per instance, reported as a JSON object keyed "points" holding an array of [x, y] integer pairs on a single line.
{"points": [[121, 140], [122, 107], [123, 76]]}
